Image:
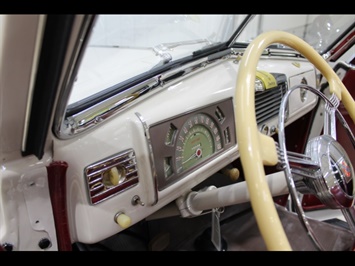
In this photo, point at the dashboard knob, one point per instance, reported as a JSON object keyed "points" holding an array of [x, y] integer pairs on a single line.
{"points": [[122, 220], [232, 173], [273, 130]]}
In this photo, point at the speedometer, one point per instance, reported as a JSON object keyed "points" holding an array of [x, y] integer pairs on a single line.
{"points": [[184, 143], [198, 139]]}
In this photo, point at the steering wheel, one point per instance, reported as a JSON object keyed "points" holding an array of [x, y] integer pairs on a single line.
{"points": [[257, 149]]}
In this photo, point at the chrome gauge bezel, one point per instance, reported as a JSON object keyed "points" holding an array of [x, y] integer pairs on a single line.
{"points": [[214, 123]]}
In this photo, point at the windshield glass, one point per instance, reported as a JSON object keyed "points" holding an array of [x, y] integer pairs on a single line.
{"points": [[124, 46]]}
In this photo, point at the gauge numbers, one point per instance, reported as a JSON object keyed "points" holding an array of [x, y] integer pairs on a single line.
{"points": [[198, 139], [170, 136]]}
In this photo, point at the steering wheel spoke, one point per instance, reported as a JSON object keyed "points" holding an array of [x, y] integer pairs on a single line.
{"points": [[298, 161], [305, 172]]}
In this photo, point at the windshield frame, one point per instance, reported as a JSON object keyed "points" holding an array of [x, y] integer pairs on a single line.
{"points": [[139, 84]]}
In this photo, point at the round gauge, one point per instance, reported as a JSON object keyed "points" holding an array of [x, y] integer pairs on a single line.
{"points": [[198, 139]]}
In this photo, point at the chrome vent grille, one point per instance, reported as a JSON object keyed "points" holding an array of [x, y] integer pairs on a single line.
{"points": [[267, 103], [111, 176]]}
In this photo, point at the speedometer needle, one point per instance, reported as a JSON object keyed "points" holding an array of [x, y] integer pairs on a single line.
{"points": [[188, 159], [196, 154]]}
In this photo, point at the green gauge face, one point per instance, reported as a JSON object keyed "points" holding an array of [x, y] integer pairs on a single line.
{"points": [[198, 139]]}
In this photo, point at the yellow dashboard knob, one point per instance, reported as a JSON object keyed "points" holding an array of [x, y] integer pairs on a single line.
{"points": [[114, 176], [233, 173], [122, 220]]}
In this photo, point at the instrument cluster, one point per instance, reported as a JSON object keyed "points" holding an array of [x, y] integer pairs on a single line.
{"points": [[184, 143]]}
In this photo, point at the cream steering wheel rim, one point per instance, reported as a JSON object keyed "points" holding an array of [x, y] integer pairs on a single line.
{"points": [[257, 149]]}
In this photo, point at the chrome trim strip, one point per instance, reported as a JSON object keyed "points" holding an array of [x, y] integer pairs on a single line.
{"points": [[97, 114], [151, 157]]}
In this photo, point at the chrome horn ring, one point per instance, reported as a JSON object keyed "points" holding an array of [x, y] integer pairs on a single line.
{"points": [[325, 169]]}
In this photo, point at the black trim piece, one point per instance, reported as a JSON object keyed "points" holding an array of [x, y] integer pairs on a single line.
{"points": [[55, 41], [214, 48]]}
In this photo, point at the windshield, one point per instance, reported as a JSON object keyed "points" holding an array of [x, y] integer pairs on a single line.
{"points": [[124, 46]]}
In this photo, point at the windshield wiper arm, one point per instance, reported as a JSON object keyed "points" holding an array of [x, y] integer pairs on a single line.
{"points": [[161, 50], [165, 58]]}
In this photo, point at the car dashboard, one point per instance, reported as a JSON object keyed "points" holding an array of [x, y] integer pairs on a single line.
{"points": [[164, 143]]}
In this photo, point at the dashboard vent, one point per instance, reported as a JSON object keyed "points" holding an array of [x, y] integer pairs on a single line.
{"points": [[110, 176], [267, 103]]}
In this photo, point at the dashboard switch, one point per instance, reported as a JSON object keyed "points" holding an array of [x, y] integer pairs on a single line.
{"points": [[137, 200]]}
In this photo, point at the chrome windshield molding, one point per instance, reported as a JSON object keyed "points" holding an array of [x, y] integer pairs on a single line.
{"points": [[194, 67], [180, 72], [151, 158], [96, 114]]}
